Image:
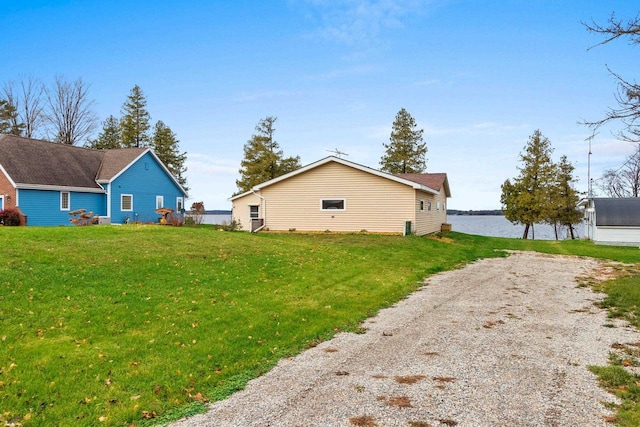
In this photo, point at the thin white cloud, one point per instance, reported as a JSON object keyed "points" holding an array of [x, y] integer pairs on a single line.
{"points": [[359, 23], [262, 95], [344, 72], [199, 164]]}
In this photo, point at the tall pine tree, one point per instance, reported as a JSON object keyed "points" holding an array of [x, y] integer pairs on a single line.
{"points": [[135, 121], [263, 158], [406, 150], [167, 147], [9, 119], [564, 198], [528, 199], [110, 137]]}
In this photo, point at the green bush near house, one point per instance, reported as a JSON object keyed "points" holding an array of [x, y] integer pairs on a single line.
{"points": [[142, 324]]}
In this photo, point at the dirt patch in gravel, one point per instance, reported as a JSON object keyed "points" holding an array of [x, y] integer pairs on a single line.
{"points": [[502, 341]]}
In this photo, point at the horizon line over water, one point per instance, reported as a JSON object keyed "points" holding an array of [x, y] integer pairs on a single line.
{"points": [[499, 226]]}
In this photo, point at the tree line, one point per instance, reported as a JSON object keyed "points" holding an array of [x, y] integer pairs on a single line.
{"points": [[65, 114]]}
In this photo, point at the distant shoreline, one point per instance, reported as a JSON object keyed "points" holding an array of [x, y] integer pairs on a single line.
{"points": [[472, 212]]}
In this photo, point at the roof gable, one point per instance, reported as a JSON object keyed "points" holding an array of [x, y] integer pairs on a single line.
{"points": [[117, 160], [617, 211], [412, 183]]}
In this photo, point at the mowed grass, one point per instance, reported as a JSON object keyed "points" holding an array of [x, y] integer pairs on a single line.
{"points": [[138, 325]]}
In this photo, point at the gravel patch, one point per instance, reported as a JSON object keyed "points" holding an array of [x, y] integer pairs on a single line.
{"points": [[503, 341]]}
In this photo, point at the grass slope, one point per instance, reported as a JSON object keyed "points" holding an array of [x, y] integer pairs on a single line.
{"points": [[134, 325]]}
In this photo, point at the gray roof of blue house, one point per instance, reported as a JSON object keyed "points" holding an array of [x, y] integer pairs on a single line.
{"points": [[617, 212], [36, 162]]}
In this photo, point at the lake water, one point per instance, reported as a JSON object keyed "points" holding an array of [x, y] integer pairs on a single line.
{"points": [[498, 226]]}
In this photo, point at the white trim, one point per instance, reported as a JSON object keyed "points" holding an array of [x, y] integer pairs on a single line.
{"points": [[59, 188], [329, 159], [68, 208], [421, 205], [257, 213], [161, 200], [108, 200], [3, 170], [121, 208], [344, 203]]}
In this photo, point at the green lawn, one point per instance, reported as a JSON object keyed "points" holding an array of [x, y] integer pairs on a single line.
{"points": [[141, 324]]}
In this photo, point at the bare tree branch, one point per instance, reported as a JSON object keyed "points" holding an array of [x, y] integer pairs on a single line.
{"points": [[616, 29], [71, 115], [27, 96]]}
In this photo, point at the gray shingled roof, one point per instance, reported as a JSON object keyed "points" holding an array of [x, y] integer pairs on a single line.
{"points": [[617, 211], [35, 162], [116, 160]]}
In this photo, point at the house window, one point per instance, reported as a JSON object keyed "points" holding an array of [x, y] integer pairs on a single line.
{"points": [[159, 202], [421, 205], [429, 206], [65, 201], [179, 204], [126, 202], [254, 211], [437, 206], [333, 204]]}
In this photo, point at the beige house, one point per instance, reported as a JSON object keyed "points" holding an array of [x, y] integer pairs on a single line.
{"points": [[337, 195]]}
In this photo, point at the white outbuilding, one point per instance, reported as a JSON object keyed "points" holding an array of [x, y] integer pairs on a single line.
{"points": [[613, 221]]}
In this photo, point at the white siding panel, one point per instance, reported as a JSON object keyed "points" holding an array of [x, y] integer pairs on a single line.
{"points": [[629, 236]]}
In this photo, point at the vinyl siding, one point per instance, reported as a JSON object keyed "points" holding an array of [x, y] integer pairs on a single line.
{"points": [[42, 207], [145, 179], [430, 221], [619, 236], [373, 203]]}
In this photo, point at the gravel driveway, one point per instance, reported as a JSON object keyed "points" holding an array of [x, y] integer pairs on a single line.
{"points": [[501, 342]]}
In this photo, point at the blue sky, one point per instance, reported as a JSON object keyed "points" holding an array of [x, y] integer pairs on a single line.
{"points": [[478, 76]]}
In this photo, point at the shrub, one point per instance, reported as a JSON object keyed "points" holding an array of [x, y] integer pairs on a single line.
{"points": [[10, 216], [175, 220], [232, 226]]}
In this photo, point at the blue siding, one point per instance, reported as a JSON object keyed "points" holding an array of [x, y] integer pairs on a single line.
{"points": [[145, 180], [42, 207]]}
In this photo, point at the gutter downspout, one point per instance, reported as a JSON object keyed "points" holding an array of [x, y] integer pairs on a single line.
{"points": [[264, 212]]}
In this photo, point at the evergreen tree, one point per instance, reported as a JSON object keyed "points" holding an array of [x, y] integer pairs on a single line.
{"points": [[564, 198], [134, 124], [166, 146], [109, 137], [263, 159], [406, 150], [9, 119], [528, 199]]}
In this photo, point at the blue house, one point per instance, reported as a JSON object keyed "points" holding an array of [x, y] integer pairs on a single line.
{"points": [[47, 181]]}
